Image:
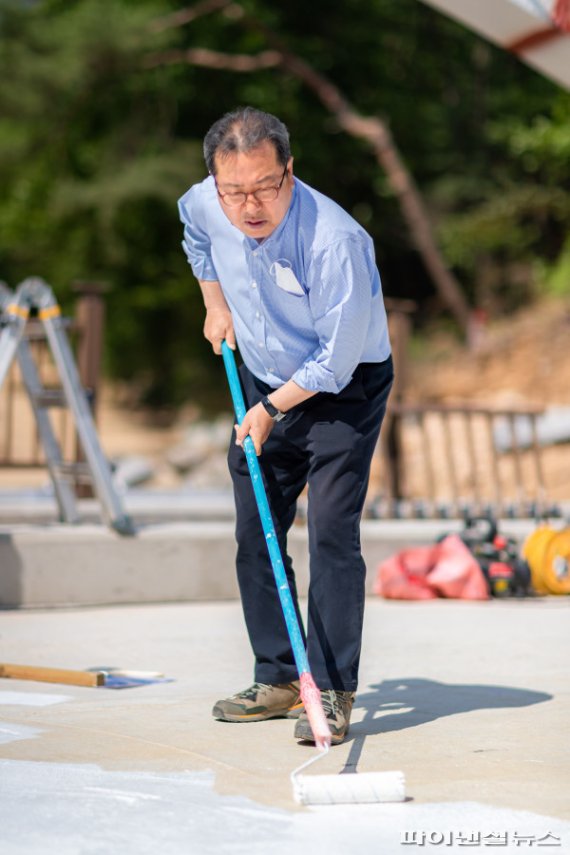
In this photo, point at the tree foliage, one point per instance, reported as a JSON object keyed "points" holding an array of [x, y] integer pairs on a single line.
{"points": [[97, 142]]}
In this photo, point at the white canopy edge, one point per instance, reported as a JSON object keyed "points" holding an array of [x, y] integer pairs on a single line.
{"points": [[523, 27]]}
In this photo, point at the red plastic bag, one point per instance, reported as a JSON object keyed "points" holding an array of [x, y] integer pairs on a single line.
{"points": [[446, 569]]}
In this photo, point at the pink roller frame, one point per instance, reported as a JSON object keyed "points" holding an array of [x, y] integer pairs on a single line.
{"points": [[311, 697]]}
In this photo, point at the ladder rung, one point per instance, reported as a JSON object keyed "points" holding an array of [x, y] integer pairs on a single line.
{"points": [[80, 471], [35, 329], [50, 398]]}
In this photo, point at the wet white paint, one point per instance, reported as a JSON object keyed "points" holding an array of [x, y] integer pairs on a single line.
{"points": [[71, 809], [13, 732], [31, 699]]}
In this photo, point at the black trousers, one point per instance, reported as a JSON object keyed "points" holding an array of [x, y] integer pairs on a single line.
{"points": [[326, 443]]}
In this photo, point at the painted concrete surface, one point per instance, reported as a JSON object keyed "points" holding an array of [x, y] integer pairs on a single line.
{"points": [[84, 809], [470, 701]]}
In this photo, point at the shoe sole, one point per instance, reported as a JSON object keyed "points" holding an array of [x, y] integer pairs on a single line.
{"points": [[307, 736], [290, 712]]}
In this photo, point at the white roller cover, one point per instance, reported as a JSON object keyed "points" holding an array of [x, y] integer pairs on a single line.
{"points": [[365, 788]]}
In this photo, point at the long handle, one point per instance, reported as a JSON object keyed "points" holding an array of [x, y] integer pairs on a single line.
{"points": [[309, 691], [266, 518]]}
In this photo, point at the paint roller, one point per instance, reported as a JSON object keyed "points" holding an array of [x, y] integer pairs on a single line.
{"points": [[361, 788], [312, 789]]}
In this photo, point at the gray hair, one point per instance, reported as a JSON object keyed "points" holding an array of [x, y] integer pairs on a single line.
{"points": [[243, 130]]}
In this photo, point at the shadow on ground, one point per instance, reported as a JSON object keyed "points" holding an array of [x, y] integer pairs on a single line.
{"points": [[409, 702]]}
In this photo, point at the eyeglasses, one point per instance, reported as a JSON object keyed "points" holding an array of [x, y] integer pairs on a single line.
{"points": [[263, 194]]}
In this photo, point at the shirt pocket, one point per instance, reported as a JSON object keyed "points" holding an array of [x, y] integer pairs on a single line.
{"points": [[286, 280]]}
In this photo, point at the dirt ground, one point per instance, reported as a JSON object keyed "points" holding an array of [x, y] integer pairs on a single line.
{"points": [[521, 360]]}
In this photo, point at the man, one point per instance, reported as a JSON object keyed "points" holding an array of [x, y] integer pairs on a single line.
{"points": [[291, 277]]}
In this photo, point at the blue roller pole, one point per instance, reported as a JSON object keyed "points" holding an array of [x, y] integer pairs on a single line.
{"points": [[283, 589]]}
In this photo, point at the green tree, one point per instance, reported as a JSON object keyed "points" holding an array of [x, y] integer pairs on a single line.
{"points": [[97, 142], [91, 166]]}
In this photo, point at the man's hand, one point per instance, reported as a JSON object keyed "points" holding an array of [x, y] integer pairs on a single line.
{"points": [[217, 326], [258, 424]]}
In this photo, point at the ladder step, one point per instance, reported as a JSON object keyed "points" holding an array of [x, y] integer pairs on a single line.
{"points": [[50, 398], [35, 330], [80, 471]]}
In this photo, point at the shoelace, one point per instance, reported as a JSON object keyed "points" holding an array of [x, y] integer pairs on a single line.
{"points": [[251, 693], [331, 705]]}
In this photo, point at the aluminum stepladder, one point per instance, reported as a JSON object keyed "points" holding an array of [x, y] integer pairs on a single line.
{"points": [[35, 294]]}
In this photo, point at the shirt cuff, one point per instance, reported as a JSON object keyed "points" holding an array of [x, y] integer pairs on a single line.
{"points": [[202, 266], [316, 378]]}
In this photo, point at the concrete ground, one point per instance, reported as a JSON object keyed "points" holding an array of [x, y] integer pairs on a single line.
{"points": [[470, 700]]}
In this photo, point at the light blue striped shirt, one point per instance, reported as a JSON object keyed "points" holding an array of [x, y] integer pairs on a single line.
{"points": [[306, 302]]}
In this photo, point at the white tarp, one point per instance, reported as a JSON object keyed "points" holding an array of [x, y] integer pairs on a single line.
{"points": [[524, 27]]}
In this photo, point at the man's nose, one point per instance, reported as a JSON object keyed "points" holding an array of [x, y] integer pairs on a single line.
{"points": [[252, 202]]}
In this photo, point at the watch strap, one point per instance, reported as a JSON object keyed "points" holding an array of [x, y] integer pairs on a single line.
{"points": [[275, 414]]}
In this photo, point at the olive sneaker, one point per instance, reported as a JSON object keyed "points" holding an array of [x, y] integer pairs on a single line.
{"points": [[337, 707], [260, 702]]}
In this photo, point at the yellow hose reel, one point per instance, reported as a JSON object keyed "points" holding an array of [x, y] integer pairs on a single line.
{"points": [[547, 551]]}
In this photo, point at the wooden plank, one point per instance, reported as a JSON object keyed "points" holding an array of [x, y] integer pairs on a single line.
{"points": [[450, 458], [464, 407], [495, 466], [52, 675], [472, 455], [427, 458]]}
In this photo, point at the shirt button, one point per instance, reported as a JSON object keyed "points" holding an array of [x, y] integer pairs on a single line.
{"points": [[260, 344], [254, 284], [257, 315]]}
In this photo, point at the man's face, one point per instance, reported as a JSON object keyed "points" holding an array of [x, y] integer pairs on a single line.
{"points": [[247, 172]]}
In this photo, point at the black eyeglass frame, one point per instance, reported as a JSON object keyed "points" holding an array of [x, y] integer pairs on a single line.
{"points": [[275, 187]]}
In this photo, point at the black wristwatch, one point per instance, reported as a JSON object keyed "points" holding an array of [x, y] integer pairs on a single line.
{"points": [[275, 414]]}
